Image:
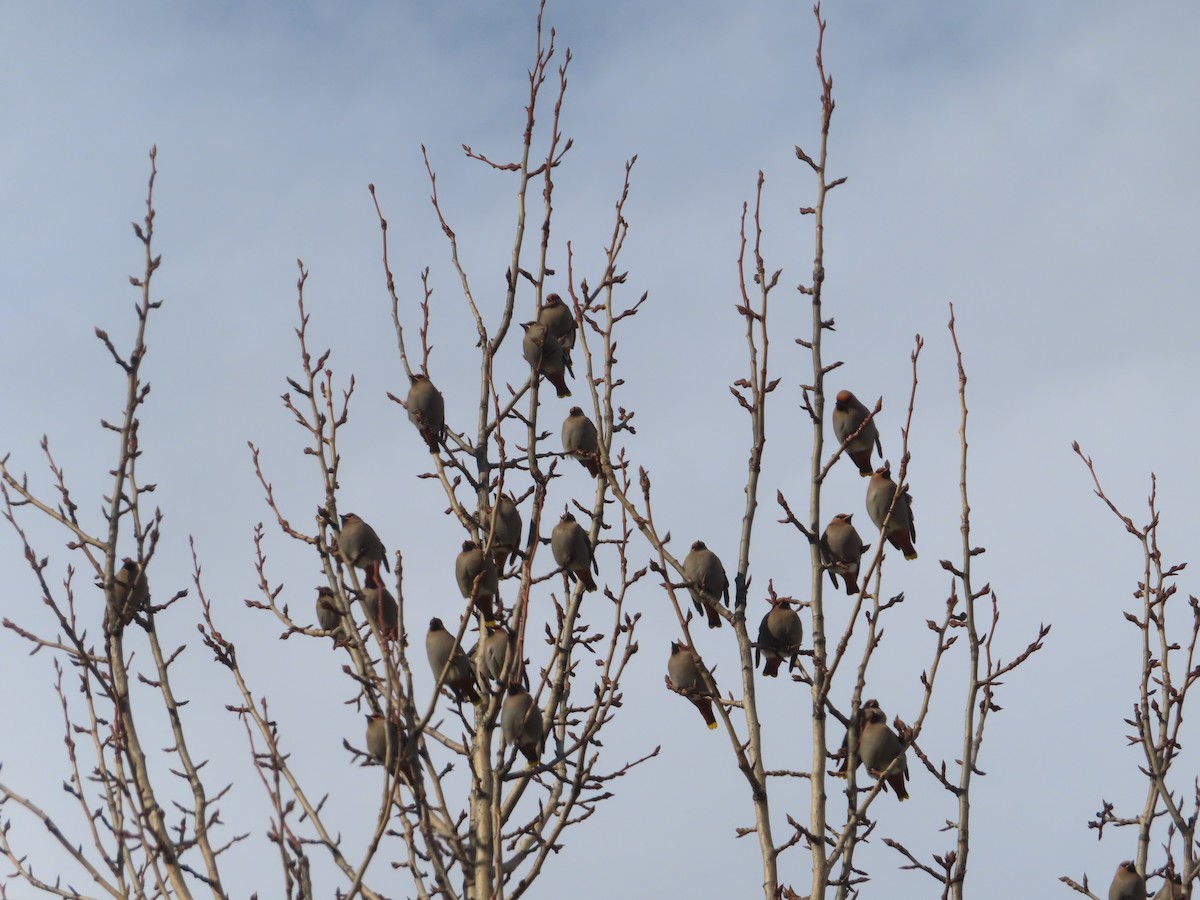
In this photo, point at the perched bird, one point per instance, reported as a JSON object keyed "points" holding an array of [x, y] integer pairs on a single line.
{"points": [[130, 594], [842, 550], [901, 530], [878, 745], [376, 597], [706, 581], [779, 637], [477, 579], [445, 654], [544, 354], [426, 410], [521, 722], [383, 735], [560, 322], [328, 617], [569, 544], [848, 415], [683, 670], [1127, 884], [495, 651], [1172, 888], [505, 539], [579, 440], [359, 545]]}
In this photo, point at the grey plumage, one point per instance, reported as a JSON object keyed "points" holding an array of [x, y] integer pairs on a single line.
{"points": [[130, 595], [571, 549], [706, 581], [359, 545], [545, 355], [848, 415], [495, 650], [683, 671], [559, 320], [505, 539], [1127, 884], [878, 745], [477, 578], [901, 530], [446, 654], [580, 440], [328, 616], [427, 410], [521, 723], [779, 637], [841, 550], [376, 597]]}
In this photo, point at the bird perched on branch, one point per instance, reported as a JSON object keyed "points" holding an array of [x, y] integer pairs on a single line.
{"points": [[779, 637], [901, 530], [579, 439], [383, 735], [706, 581], [505, 533], [848, 415], [878, 745], [380, 606], [495, 652], [1127, 884], [426, 410], [477, 579], [130, 595], [572, 551], [446, 654], [545, 355], [360, 546], [842, 550], [560, 322], [328, 616], [683, 671], [521, 722]]}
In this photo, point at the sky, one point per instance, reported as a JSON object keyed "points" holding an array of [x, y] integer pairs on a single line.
{"points": [[1030, 163]]}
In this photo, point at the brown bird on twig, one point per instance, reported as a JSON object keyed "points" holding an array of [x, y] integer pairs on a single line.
{"points": [[544, 354], [427, 410], [706, 581], [579, 440], [560, 322], [521, 722], [477, 579], [848, 415], [683, 670], [506, 538], [842, 549], [446, 654], [901, 530], [569, 544], [779, 637]]}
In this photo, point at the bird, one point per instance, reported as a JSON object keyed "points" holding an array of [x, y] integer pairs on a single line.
{"points": [[544, 354], [375, 596], [381, 733], [848, 415], [495, 652], [446, 654], [842, 549], [328, 616], [901, 530], [683, 670], [706, 581], [427, 410], [521, 722], [779, 637], [560, 322], [477, 579], [359, 545], [579, 440], [1172, 888], [572, 552], [1127, 884], [503, 525], [878, 745], [130, 594]]}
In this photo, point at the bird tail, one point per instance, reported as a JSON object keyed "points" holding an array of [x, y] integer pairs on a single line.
{"points": [[705, 706]]}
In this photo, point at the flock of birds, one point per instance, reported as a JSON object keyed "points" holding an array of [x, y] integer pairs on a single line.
{"points": [[547, 347]]}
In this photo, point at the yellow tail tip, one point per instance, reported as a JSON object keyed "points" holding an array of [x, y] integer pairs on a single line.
{"points": [[712, 726], [914, 555]]}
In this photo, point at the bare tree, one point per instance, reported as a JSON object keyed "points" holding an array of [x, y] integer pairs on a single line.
{"points": [[481, 776]]}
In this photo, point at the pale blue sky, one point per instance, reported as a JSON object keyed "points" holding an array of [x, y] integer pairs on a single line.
{"points": [[1031, 163]]}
